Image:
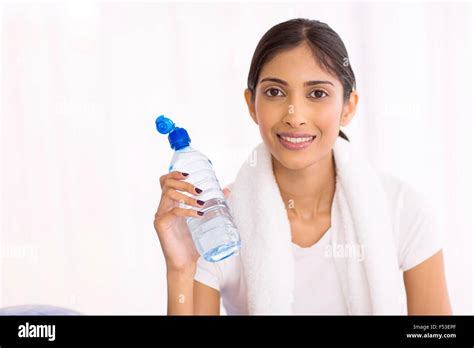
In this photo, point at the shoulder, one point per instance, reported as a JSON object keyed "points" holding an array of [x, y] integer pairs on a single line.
{"points": [[403, 197], [415, 222]]}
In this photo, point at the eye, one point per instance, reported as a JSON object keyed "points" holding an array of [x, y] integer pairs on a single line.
{"points": [[318, 94], [273, 92]]}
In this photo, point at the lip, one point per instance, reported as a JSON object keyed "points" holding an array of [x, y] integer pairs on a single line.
{"points": [[296, 135], [292, 146]]}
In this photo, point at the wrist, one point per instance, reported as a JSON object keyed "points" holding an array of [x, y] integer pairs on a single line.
{"points": [[181, 273]]}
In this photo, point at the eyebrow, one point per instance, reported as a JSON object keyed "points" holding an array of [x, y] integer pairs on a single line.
{"points": [[307, 83]]}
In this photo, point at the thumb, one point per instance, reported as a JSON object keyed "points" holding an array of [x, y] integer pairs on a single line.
{"points": [[226, 192]]}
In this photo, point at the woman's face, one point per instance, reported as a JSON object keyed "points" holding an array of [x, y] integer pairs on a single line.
{"points": [[299, 108]]}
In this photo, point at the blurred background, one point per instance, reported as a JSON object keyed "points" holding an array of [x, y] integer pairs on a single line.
{"points": [[82, 84]]}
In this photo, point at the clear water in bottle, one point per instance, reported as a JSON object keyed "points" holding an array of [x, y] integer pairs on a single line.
{"points": [[214, 234]]}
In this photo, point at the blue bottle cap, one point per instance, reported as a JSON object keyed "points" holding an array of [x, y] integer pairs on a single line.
{"points": [[164, 125], [178, 137]]}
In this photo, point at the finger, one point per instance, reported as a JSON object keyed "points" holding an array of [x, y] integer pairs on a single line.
{"points": [[226, 192], [166, 218], [170, 197], [184, 186], [182, 198], [182, 212], [174, 175]]}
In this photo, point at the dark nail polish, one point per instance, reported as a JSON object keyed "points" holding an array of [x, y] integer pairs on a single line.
{"points": [[200, 213], [200, 202], [185, 174], [198, 190]]}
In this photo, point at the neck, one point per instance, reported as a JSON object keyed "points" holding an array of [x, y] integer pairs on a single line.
{"points": [[307, 192]]}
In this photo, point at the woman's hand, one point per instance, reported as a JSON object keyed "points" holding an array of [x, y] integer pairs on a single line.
{"points": [[170, 224]]}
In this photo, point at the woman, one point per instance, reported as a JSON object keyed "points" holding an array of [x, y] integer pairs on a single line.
{"points": [[301, 90]]}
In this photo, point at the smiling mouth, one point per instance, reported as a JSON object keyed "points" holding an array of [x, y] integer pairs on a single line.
{"points": [[297, 140]]}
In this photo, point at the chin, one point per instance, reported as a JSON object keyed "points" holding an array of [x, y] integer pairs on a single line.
{"points": [[293, 162]]}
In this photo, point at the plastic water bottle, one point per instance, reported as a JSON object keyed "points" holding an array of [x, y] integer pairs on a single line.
{"points": [[214, 234]]}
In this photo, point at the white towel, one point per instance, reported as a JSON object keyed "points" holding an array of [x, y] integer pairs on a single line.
{"points": [[370, 284]]}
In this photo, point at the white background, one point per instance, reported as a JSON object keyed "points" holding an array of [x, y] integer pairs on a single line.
{"points": [[82, 83]]}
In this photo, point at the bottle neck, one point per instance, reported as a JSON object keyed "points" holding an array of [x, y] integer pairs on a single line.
{"points": [[185, 149]]}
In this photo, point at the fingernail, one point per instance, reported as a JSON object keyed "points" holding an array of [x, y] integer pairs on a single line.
{"points": [[200, 202], [198, 190], [200, 213], [185, 174]]}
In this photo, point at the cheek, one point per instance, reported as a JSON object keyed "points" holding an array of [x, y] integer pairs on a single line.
{"points": [[328, 123], [329, 117], [265, 126], [268, 115], [270, 109]]}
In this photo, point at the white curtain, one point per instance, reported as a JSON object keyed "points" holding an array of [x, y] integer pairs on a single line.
{"points": [[82, 83]]}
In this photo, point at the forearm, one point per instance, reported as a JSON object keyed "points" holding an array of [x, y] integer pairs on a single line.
{"points": [[180, 292]]}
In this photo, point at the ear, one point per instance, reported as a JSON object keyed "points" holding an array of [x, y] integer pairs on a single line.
{"points": [[349, 108], [250, 104]]}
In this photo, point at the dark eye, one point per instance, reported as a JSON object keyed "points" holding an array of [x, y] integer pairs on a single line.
{"points": [[318, 93], [273, 92]]}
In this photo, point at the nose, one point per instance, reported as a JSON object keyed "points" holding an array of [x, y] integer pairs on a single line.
{"points": [[294, 122], [294, 117]]}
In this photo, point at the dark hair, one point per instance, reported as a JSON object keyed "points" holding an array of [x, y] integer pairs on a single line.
{"points": [[328, 50]]}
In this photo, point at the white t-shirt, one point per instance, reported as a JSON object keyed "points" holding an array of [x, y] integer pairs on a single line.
{"points": [[317, 289]]}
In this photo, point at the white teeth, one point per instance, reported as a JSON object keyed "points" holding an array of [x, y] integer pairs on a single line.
{"points": [[297, 140]]}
